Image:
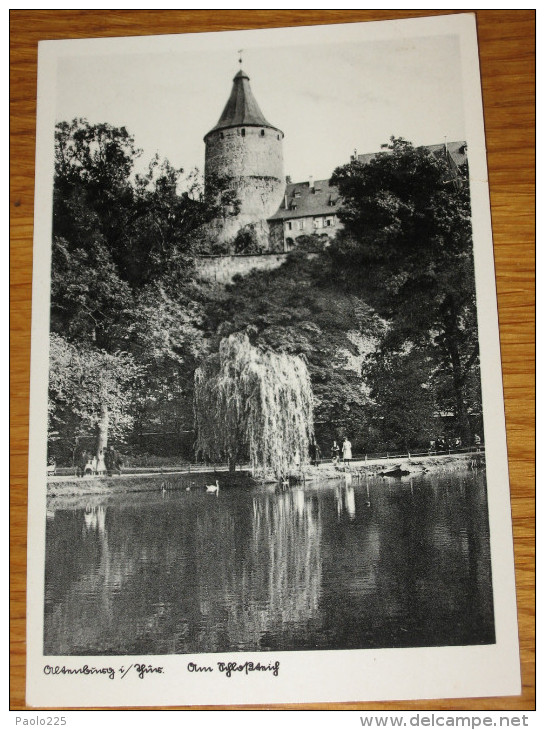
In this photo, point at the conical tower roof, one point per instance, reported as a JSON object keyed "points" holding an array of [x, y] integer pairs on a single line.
{"points": [[241, 109]]}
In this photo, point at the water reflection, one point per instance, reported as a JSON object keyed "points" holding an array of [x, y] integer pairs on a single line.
{"points": [[345, 499], [286, 542], [351, 564]]}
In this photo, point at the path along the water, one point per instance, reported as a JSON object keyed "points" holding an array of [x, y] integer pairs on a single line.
{"points": [[132, 480]]}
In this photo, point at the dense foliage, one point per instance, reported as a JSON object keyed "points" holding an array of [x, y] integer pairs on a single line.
{"points": [[85, 384], [123, 276], [383, 320], [407, 249], [254, 405], [297, 310]]}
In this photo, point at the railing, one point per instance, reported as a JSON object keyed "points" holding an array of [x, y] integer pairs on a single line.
{"points": [[377, 456], [207, 467], [182, 468]]}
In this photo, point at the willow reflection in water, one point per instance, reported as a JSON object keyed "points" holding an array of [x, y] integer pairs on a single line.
{"points": [[357, 564]]}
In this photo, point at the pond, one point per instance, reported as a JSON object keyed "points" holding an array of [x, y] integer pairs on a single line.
{"points": [[366, 563]]}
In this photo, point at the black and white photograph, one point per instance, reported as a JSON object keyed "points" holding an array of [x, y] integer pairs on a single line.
{"points": [[267, 344]]}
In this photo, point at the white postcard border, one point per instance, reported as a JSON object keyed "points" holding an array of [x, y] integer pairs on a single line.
{"points": [[309, 676]]}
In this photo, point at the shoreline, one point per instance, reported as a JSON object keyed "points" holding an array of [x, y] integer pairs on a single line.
{"points": [[177, 480]]}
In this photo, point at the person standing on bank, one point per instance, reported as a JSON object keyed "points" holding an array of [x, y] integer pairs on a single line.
{"points": [[335, 452], [347, 451], [113, 461], [82, 463]]}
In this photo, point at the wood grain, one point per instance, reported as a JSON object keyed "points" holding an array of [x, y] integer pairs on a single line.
{"points": [[507, 54]]}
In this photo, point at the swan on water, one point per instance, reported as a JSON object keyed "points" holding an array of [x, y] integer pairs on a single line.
{"points": [[213, 488]]}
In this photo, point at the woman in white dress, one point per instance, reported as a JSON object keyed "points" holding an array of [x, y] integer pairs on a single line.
{"points": [[347, 451]]}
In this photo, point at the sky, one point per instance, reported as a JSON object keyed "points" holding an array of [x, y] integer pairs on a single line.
{"points": [[329, 98]]}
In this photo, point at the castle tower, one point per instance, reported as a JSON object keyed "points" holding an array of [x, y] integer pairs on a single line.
{"points": [[246, 151]]}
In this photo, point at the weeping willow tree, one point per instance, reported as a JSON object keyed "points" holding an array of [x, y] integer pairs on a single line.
{"points": [[254, 404]]}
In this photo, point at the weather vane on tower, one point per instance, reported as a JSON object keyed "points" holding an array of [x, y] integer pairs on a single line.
{"points": [[240, 51]]}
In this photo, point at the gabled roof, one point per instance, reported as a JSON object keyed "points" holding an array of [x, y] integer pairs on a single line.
{"points": [[457, 151], [303, 200], [241, 109], [367, 157]]}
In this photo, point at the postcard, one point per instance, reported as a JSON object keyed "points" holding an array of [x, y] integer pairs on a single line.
{"points": [[267, 445]]}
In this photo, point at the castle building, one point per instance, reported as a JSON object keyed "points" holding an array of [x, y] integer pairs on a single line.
{"points": [[311, 207], [307, 208], [243, 153]]}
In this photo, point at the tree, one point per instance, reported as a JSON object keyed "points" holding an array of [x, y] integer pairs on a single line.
{"points": [[165, 336], [124, 247], [145, 224], [249, 402], [402, 399], [246, 241], [87, 294], [407, 246], [94, 166], [90, 392]]}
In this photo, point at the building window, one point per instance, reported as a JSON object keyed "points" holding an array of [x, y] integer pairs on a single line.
{"points": [[301, 224], [318, 223], [288, 226], [221, 135], [277, 136], [262, 132], [330, 221], [243, 132]]}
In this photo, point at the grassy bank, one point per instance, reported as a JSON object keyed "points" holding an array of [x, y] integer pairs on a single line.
{"points": [[69, 486], [151, 482], [398, 467]]}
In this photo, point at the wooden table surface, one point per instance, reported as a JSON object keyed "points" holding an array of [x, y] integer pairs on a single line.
{"points": [[507, 54]]}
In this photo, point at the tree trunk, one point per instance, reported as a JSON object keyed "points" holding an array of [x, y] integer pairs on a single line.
{"points": [[232, 465], [102, 430], [458, 377]]}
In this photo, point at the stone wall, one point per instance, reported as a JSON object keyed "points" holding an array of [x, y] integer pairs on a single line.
{"points": [[223, 268]]}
